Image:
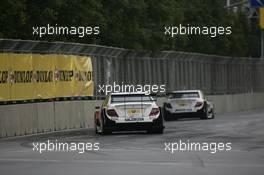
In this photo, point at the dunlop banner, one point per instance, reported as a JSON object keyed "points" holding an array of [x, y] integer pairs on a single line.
{"points": [[36, 76], [83, 78], [21, 77], [44, 67], [5, 68]]}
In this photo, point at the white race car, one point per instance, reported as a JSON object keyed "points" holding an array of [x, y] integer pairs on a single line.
{"points": [[189, 103], [128, 112]]}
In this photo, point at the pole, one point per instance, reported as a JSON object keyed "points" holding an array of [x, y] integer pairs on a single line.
{"points": [[227, 3], [262, 44], [261, 22]]}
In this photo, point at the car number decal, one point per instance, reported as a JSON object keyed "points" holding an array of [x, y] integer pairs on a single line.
{"points": [[134, 119], [133, 112]]}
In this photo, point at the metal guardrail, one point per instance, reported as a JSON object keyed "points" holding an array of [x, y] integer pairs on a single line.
{"points": [[177, 70]]}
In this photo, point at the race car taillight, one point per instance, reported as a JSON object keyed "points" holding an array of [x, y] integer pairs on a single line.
{"points": [[199, 104], [154, 112], [111, 113]]}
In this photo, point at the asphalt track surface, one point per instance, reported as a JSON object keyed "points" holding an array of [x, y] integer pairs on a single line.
{"points": [[140, 153]]}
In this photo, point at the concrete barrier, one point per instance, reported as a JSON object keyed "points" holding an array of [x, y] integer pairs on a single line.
{"points": [[74, 114], [238, 102], [23, 119]]}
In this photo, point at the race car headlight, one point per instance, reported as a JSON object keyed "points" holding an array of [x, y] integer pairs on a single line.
{"points": [[199, 104], [111, 113], [154, 112]]}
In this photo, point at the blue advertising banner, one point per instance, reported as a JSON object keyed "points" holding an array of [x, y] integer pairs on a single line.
{"points": [[257, 3]]}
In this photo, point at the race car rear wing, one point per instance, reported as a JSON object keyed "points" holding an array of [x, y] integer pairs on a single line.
{"points": [[133, 98]]}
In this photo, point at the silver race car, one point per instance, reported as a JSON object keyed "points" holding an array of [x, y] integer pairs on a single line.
{"points": [[128, 112], [189, 103]]}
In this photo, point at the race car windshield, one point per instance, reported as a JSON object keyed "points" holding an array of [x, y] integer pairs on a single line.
{"points": [[131, 98], [184, 95]]}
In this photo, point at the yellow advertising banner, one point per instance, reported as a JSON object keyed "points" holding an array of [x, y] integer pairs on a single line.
{"points": [[83, 76], [21, 77], [44, 67], [36, 76], [4, 73], [64, 75], [261, 17]]}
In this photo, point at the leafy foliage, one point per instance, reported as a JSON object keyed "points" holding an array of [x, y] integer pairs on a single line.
{"points": [[134, 24]]}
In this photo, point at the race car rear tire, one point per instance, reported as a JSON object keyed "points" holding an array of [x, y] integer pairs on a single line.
{"points": [[158, 125], [105, 130], [95, 129], [95, 126], [204, 114], [167, 115], [213, 114], [156, 131]]}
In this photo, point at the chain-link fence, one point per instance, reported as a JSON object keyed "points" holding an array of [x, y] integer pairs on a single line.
{"points": [[177, 70]]}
